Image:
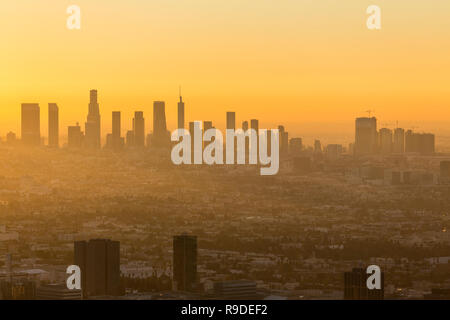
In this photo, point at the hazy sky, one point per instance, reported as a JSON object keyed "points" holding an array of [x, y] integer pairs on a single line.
{"points": [[282, 61]]}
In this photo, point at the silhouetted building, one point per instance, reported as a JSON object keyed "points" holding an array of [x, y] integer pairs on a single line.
{"points": [[117, 140], [356, 286], [31, 131], [53, 125], [160, 137], [385, 137], [93, 129], [99, 261], [139, 129], [57, 292], [185, 263], [317, 146], [365, 136], [180, 113], [130, 139], [399, 140], [422, 143], [284, 141], [75, 136]]}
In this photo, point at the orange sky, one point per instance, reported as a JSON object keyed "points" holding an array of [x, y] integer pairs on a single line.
{"points": [[287, 61]]}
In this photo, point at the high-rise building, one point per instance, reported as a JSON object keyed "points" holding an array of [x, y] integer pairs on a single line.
{"points": [[423, 143], [130, 138], [317, 147], [139, 129], [386, 143], [365, 136], [356, 286], [31, 124], [93, 128], [284, 141], [75, 136], [399, 140], [99, 261], [185, 263], [231, 120], [160, 136], [53, 125], [180, 113], [117, 141]]}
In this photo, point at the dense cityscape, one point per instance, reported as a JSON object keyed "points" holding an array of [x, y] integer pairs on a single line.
{"points": [[141, 227]]}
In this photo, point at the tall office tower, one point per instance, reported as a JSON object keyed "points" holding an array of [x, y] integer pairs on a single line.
{"points": [[399, 140], [423, 143], [185, 262], [160, 137], [116, 132], [53, 125], [295, 146], [231, 120], [92, 129], [356, 286], [31, 124], [386, 143], [317, 146], [180, 113], [99, 261], [365, 136], [284, 141], [139, 129], [130, 138], [75, 136]]}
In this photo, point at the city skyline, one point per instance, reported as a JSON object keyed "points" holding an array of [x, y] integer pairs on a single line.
{"points": [[305, 68]]}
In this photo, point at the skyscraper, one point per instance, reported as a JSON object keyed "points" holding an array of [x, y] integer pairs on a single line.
{"points": [[284, 141], [180, 113], [92, 130], [356, 286], [365, 136], [423, 143], [116, 131], [30, 124], [53, 125], [399, 140], [75, 136], [185, 262], [385, 140], [139, 129], [160, 137], [231, 120], [99, 261]]}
